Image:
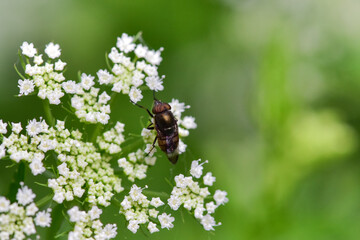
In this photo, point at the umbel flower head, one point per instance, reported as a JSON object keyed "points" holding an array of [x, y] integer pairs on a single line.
{"points": [[85, 166], [18, 220]]}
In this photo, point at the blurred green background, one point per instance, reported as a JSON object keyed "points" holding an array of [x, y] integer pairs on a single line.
{"points": [[274, 86]]}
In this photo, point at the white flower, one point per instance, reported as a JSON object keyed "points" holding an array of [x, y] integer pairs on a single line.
{"points": [[43, 219], [104, 98], [53, 50], [16, 127], [208, 222], [220, 197], [59, 65], [140, 51], [38, 59], [135, 192], [104, 76], [95, 212], [33, 128], [77, 102], [210, 207], [125, 43], [76, 215], [174, 202], [133, 226], [156, 202], [181, 181], [37, 167], [135, 94], [26, 86], [183, 132], [115, 56], [63, 170], [119, 127], [126, 204], [209, 179], [3, 126], [152, 227], [103, 118], [31, 209], [166, 220], [2, 151], [25, 195], [137, 78], [87, 81], [154, 57], [196, 168], [28, 49], [151, 70], [109, 231], [189, 122], [177, 108], [118, 87], [154, 83], [4, 205], [70, 87]]}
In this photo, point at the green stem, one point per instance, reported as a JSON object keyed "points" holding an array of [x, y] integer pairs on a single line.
{"points": [[57, 220], [138, 36], [96, 132], [44, 200], [155, 194], [19, 176], [48, 115]]}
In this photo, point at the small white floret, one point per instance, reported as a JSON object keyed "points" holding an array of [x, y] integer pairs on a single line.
{"points": [[4, 204], [38, 59], [26, 86], [152, 227], [3, 126], [133, 226], [156, 202], [104, 76], [135, 94], [166, 220], [28, 49], [196, 168], [87, 81], [95, 213], [220, 197], [43, 219], [53, 50], [25, 195], [209, 179], [125, 43]]}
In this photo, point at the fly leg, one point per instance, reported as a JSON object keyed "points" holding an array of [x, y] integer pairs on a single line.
{"points": [[153, 146], [150, 127], [151, 115]]}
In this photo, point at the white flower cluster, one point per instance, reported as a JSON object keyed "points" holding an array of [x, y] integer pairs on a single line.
{"points": [[46, 76], [188, 193], [89, 105], [89, 226], [136, 208], [18, 219], [81, 167], [110, 140], [30, 147], [129, 74], [135, 165]]}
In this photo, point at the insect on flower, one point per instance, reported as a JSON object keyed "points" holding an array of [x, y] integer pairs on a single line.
{"points": [[166, 128]]}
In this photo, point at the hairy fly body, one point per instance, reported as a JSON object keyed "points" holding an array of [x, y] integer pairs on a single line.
{"points": [[166, 128]]}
